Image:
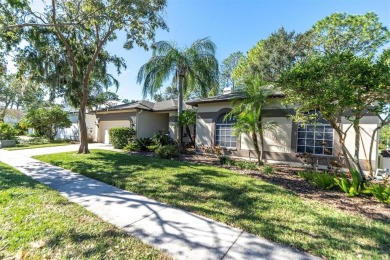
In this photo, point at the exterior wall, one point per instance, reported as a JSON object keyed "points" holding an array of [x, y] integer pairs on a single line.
{"points": [[148, 123], [280, 142], [173, 131], [368, 124]]}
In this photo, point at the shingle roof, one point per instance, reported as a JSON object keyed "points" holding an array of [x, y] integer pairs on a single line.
{"points": [[225, 98], [166, 105]]}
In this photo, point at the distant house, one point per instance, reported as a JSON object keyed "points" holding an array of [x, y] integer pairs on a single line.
{"points": [[13, 116], [282, 143], [146, 117], [72, 132]]}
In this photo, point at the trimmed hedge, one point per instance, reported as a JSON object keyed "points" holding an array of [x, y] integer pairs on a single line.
{"points": [[120, 136]]}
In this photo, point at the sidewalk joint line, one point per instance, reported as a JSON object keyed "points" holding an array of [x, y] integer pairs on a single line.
{"points": [[227, 251]]}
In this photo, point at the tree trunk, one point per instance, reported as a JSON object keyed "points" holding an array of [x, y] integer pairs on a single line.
{"points": [[257, 148], [83, 132], [180, 108], [189, 135], [357, 149]]}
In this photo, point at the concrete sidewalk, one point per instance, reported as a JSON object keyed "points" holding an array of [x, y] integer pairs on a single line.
{"points": [[181, 234]]}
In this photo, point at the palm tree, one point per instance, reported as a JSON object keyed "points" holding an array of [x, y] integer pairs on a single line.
{"points": [[248, 110], [194, 68]]}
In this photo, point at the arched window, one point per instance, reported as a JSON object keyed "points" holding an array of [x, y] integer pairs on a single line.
{"points": [[224, 136]]}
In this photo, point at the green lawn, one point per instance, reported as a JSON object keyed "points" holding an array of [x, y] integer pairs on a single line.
{"points": [[37, 223], [238, 200], [32, 146]]}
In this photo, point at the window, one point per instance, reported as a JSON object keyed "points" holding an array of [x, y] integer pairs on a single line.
{"points": [[224, 132], [315, 139]]}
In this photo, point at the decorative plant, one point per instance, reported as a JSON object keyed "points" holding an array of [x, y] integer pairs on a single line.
{"points": [[380, 192], [167, 152], [143, 144], [268, 169], [323, 180], [161, 139], [7, 132], [120, 136], [352, 187]]}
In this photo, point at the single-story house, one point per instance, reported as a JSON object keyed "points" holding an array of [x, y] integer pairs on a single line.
{"points": [[146, 117], [283, 142], [13, 116]]}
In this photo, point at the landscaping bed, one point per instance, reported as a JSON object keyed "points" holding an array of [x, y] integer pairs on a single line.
{"points": [[239, 200], [38, 223]]}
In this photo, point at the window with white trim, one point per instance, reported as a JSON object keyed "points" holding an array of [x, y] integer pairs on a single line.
{"points": [[224, 136], [315, 139]]}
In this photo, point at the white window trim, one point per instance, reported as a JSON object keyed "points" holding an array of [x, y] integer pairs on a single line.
{"points": [[323, 155]]}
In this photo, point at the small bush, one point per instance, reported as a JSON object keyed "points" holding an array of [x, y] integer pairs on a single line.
{"points": [[131, 147], [381, 192], [352, 187], [120, 136], [322, 180], [7, 132], [268, 169], [246, 165], [160, 139], [226, 160], [167, 152], [143, 144], [153, 147]]}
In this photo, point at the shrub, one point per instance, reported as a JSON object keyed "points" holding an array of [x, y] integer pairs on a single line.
{"points": [[167, 152], [160, 139], [324, 180], [268, 169], [131, 147], [246, 165], [381, 192], [7, 132], [352, 187], [143, 144], [226, 160], [120, 136]]}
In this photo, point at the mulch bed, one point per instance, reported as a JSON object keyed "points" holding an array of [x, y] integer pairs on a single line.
{"points": [[286, 176]]}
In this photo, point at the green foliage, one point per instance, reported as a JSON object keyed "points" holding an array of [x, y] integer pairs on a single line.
{"points": [[143, 143], [248, 111], [132, 147], [270, 57], [47, 120], [268, 169], [381, 192], [168, 152], [384, 136], [195, 68], [245, 165], [161, 139], [226, 160], [7, 132], [322, 180], [342, 33], [352, 187], [120, 136], [227, 68]]}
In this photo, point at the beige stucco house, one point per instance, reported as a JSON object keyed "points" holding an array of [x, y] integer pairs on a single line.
{"points": [[146, 117], [284, 141]]}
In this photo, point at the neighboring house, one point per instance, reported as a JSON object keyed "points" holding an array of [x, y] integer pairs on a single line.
{"points": [[283, 142], [72, 132], [13, 116], [146, 117]]}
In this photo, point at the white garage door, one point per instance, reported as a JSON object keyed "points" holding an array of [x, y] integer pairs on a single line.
{"points": [[104, 126]]}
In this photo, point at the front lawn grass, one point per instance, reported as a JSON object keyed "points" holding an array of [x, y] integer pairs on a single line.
{"points": [[37, 223], [253, 205], [32, 146]]}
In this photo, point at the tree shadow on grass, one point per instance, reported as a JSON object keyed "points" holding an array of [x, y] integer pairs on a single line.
{"points": [[10, 178]]}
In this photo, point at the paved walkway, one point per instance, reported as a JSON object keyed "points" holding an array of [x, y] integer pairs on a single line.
{"points": [[182, 234]]}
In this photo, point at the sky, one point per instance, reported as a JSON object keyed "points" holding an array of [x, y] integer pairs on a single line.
{"points": [[234, 25]]}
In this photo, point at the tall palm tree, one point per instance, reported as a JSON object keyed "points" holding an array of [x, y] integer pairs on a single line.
{"points": [[194, 68], [248, 110]]}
